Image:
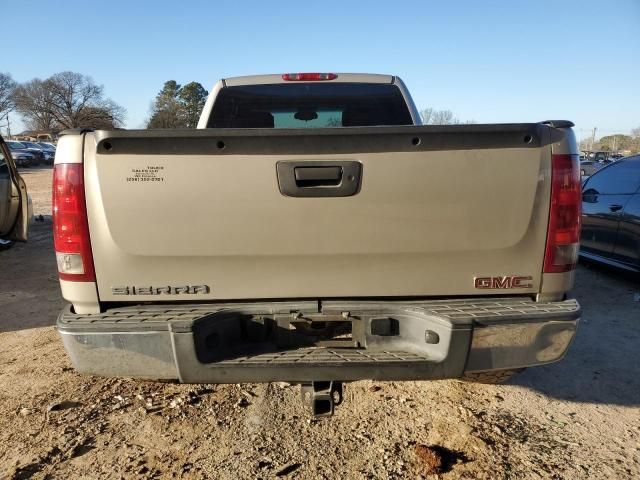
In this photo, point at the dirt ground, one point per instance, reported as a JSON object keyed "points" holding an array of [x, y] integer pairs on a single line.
{"points": [[575, 419]]}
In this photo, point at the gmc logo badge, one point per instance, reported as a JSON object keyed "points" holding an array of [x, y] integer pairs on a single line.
{"points": [[509, 281]]}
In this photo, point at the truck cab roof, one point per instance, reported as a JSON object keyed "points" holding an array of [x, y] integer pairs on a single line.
{"points": [[280, 78]]}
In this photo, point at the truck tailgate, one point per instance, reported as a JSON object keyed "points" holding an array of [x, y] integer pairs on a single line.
{"points": [[185, 214]]}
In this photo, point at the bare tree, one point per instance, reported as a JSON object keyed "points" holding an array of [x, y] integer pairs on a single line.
{"points": [[32, 100], [585, 144], [67, 100], [445, 117], [438, 117], [7, 86], [427, 116]]}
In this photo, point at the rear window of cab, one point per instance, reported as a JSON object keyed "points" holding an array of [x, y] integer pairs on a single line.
{"points": [[309, 105]]}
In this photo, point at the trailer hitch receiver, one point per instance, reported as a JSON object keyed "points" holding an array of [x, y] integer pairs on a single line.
{"points": [[321, 397]]}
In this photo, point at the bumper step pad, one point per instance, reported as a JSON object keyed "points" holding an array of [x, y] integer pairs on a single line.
{"points": [[326, 356]]}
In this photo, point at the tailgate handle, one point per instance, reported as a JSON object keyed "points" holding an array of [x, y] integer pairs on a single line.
{"points": [[319, 178]]}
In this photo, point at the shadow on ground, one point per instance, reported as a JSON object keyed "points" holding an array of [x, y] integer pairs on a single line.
{"points": [[29, 290]]}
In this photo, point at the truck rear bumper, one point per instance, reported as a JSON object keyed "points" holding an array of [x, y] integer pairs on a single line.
{"points": [[306, 341]]}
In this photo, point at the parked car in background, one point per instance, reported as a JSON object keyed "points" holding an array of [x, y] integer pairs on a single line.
{"points": [[50, 151], [42, 155], [598, 156], [589, 167], [48, 146], [21, 156], [611, 215]]}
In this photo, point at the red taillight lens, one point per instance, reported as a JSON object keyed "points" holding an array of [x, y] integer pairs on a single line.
{"points": [[308, 77], [563, 237], [70, 226]]}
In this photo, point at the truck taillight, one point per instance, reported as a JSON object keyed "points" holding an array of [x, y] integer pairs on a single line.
{"points": [[70, 225], [563, 237], [308, 77]]}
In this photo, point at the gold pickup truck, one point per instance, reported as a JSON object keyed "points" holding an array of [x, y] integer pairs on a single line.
{"points": [[312, 231]]}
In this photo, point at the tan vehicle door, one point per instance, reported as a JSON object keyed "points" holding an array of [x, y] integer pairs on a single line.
{"points": [[14, 215]]}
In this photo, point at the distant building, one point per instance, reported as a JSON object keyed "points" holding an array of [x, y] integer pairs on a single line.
{"points": [[36, 136]]}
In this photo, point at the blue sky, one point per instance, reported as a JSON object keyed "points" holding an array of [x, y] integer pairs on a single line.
{"points": [[490, 61]]}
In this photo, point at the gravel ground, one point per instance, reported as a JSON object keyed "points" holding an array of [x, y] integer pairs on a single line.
{"points": [[578, 418]]}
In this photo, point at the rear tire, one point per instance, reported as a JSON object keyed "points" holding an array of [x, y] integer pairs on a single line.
{"points": [[493, 377]]}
